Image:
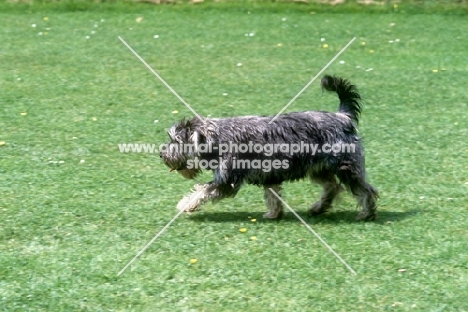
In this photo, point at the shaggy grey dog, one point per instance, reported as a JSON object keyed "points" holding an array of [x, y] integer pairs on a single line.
{"points": [[323, 146]]}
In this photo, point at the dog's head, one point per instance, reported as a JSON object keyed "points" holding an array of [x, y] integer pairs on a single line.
{"points": [[185, 137]]}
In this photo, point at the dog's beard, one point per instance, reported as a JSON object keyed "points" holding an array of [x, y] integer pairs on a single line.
{"points": [[189, 173], [179, 163]]}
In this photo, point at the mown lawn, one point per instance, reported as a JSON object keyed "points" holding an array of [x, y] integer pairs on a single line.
{"points": [[74, 210]]}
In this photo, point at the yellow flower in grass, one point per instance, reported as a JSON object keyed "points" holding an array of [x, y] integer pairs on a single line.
{"points": [[24, 114], [46, 18], [253, 220], [175, 111], [325, 46], [242, 230], [253, 238], [192, 261], [2, 143]]}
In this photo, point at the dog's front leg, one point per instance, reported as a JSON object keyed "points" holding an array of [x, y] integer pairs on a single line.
{"points": [[273, 203], [203, 193]]}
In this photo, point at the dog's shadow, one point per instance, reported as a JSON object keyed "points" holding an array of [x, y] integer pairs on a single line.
{"points": [[329, 217]]}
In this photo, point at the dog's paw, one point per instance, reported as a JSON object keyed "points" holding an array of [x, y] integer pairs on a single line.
{"points": [[194, 200], [273, 215], [185, 204], [366, 216], [317, 209]]}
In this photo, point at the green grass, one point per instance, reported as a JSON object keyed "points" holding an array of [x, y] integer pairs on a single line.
{"points": [[68, 227]]}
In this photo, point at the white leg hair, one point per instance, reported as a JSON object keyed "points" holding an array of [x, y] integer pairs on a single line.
{"points": [[195, 199]]}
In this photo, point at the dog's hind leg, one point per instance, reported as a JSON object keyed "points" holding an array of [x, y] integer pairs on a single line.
{"points": [[272, 202], [203, 193], [366, 195], [330, 190]]}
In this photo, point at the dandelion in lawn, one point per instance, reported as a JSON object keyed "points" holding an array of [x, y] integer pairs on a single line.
{"points": [[397, 40], [23, 114], [253, 238], [87, 37], [392, 24], [341, 62], [82, 161], [242, 230], [390, 41], [279, 44], [175, 111], [46, 33], [192, 261], [225, 94], [46, 18], [434, 70], [94, 119], [33, 25], [40, 33], [2, 143], [325, 46], [252, 34], [156, 36], [283, 19], [253, 220], [239, 64], [363, 43], [371, 51], [139, 19]]}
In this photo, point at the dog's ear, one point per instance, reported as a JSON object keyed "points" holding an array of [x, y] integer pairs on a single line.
{"points": [[195, 139], [205, 130]]}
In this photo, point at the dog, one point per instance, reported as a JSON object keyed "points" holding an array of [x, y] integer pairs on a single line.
{"points": [[215, 144]]}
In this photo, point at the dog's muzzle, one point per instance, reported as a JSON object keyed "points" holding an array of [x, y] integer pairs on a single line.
{"points": [[179, 164]]}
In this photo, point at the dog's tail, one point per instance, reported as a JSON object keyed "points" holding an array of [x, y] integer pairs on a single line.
{"points": [[350, 100]]}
